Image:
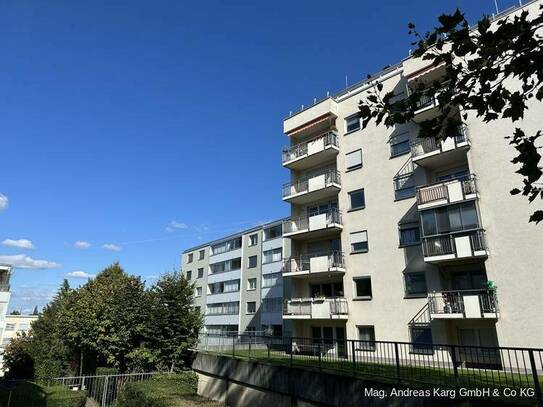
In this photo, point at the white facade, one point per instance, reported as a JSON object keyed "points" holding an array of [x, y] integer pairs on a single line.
{"points": [[402, 239]]}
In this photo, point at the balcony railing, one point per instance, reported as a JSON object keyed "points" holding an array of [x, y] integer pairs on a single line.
{"points": [[431, 144], [4, 287], [443, 245], [333, 217], [451, 191], [299, 150], [302, 185], [454, 302], [302, 263], [316, 308]]}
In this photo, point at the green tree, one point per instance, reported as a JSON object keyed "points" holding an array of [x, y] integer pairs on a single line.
{"points": [[19, 357], [15, 312], [174, 323], [491, 71]]}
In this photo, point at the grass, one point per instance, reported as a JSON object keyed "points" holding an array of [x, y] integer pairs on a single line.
{"points": [[30, 394], [164, 391], [418, 373]]}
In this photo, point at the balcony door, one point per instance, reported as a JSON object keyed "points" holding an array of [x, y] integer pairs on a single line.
{"points": [[327, 290], [468, 280], [459, 174], [324, 207]]}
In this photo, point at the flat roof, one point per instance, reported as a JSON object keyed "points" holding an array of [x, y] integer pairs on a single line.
{"points": [[233, 235]]}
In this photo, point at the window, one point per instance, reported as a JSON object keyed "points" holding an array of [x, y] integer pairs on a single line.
{"points": [[189, 274], [224, 266], [415, 284], [271, 256], [272, 279], [223, 308], [10, 327], [421, 338], [272, 305], [253, 240], [273, 232], [404, 187], [352, 123], [409, 235], [359, 242], [200, 272], [251, 307], [231, 330], [362, 288], [366, 336], [223, 287], [353, 160], [201, 254], [357, 199], [462, 175], [227, 246], [190, 257], [252, 261], [251, 284], [400, 145], [198, 292], [451, 218]]}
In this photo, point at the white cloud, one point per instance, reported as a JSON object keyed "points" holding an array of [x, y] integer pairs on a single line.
{"points": [[20, 243], [175, 225], [81, 244], [112, 247], [26, 262], [79, 274], [3, 202]]}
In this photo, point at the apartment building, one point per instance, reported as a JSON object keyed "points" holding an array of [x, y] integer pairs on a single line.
{"points": [[237, 280], [5, 295], [406, 239]]}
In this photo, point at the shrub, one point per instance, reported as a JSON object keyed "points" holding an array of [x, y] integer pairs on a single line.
{"points": [[60, 396], [105, 371], [25, 393]]}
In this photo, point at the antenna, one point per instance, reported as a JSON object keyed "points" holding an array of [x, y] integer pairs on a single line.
{"points": [[496, 4], [346, 82]]}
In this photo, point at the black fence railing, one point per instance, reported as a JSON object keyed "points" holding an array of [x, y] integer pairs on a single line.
{"points": [[409, 363]]}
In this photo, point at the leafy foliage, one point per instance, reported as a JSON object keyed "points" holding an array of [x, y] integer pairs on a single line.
{"points": [[494, 71], [110, 321]]}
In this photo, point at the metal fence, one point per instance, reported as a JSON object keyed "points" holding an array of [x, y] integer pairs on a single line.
{"points": [[409, 363]]}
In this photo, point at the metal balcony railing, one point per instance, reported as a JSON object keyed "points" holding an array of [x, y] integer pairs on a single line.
{"points": [[333, 216], [308, 306], [452, 302], [336, 259], [440, 190], [431, 144], [441, 245], [301, 149], [302, 185]]}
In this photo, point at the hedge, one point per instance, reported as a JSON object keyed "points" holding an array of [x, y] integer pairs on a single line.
{"points": [[27, 393]]}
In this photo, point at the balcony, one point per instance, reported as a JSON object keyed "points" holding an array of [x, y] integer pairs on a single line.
{"points": [[446, 192], [314, 226], [309, 265], [310, 153], [313, 188], [465, 304], [454, 246], [317, 117], [430, 153], [427, 107], [316, 308]]}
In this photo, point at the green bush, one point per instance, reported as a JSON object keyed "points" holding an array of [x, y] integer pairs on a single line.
{"points": [[60, 396], [105, 371], [32, 394]]}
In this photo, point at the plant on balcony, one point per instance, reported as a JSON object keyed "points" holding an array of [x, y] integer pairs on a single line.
{"points": [[491, 286], [492, 72]]}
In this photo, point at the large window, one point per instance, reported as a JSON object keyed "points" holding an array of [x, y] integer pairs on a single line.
{"points": [[400, 145], [223, 308], [415, 284], [253, 240], [224, 287], [272, 279], [359, 242], [409, 235], [362, 288], [421, 338], [353, 160], [352, 123], [366, 336], [270, 256], [357, 199], [224, 266], [451, 218], [273, 232], [272, 305], [223, 247], [404, 187]]}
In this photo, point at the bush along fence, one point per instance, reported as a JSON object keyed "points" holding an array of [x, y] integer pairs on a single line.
{"points": [[501, 370]]}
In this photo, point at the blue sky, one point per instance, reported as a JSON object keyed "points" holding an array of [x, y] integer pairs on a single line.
{"points": [[141, 128]]}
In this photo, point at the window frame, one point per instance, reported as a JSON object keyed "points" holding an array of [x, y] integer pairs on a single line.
{"points": [[190, 257], [351, 244], [411, 226], [357, 166], [198, 292], [368, 346], [403, 152], [357, 297], [346, 123], [188, 275], [247, 308], [251, 243], [250, 287], [200, 272], [406, 285], [419, 348], [351, 209], [255, 257], [201, 254]]}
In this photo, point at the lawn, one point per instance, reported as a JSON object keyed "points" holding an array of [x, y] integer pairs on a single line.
{"points": [[30, 394]]}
